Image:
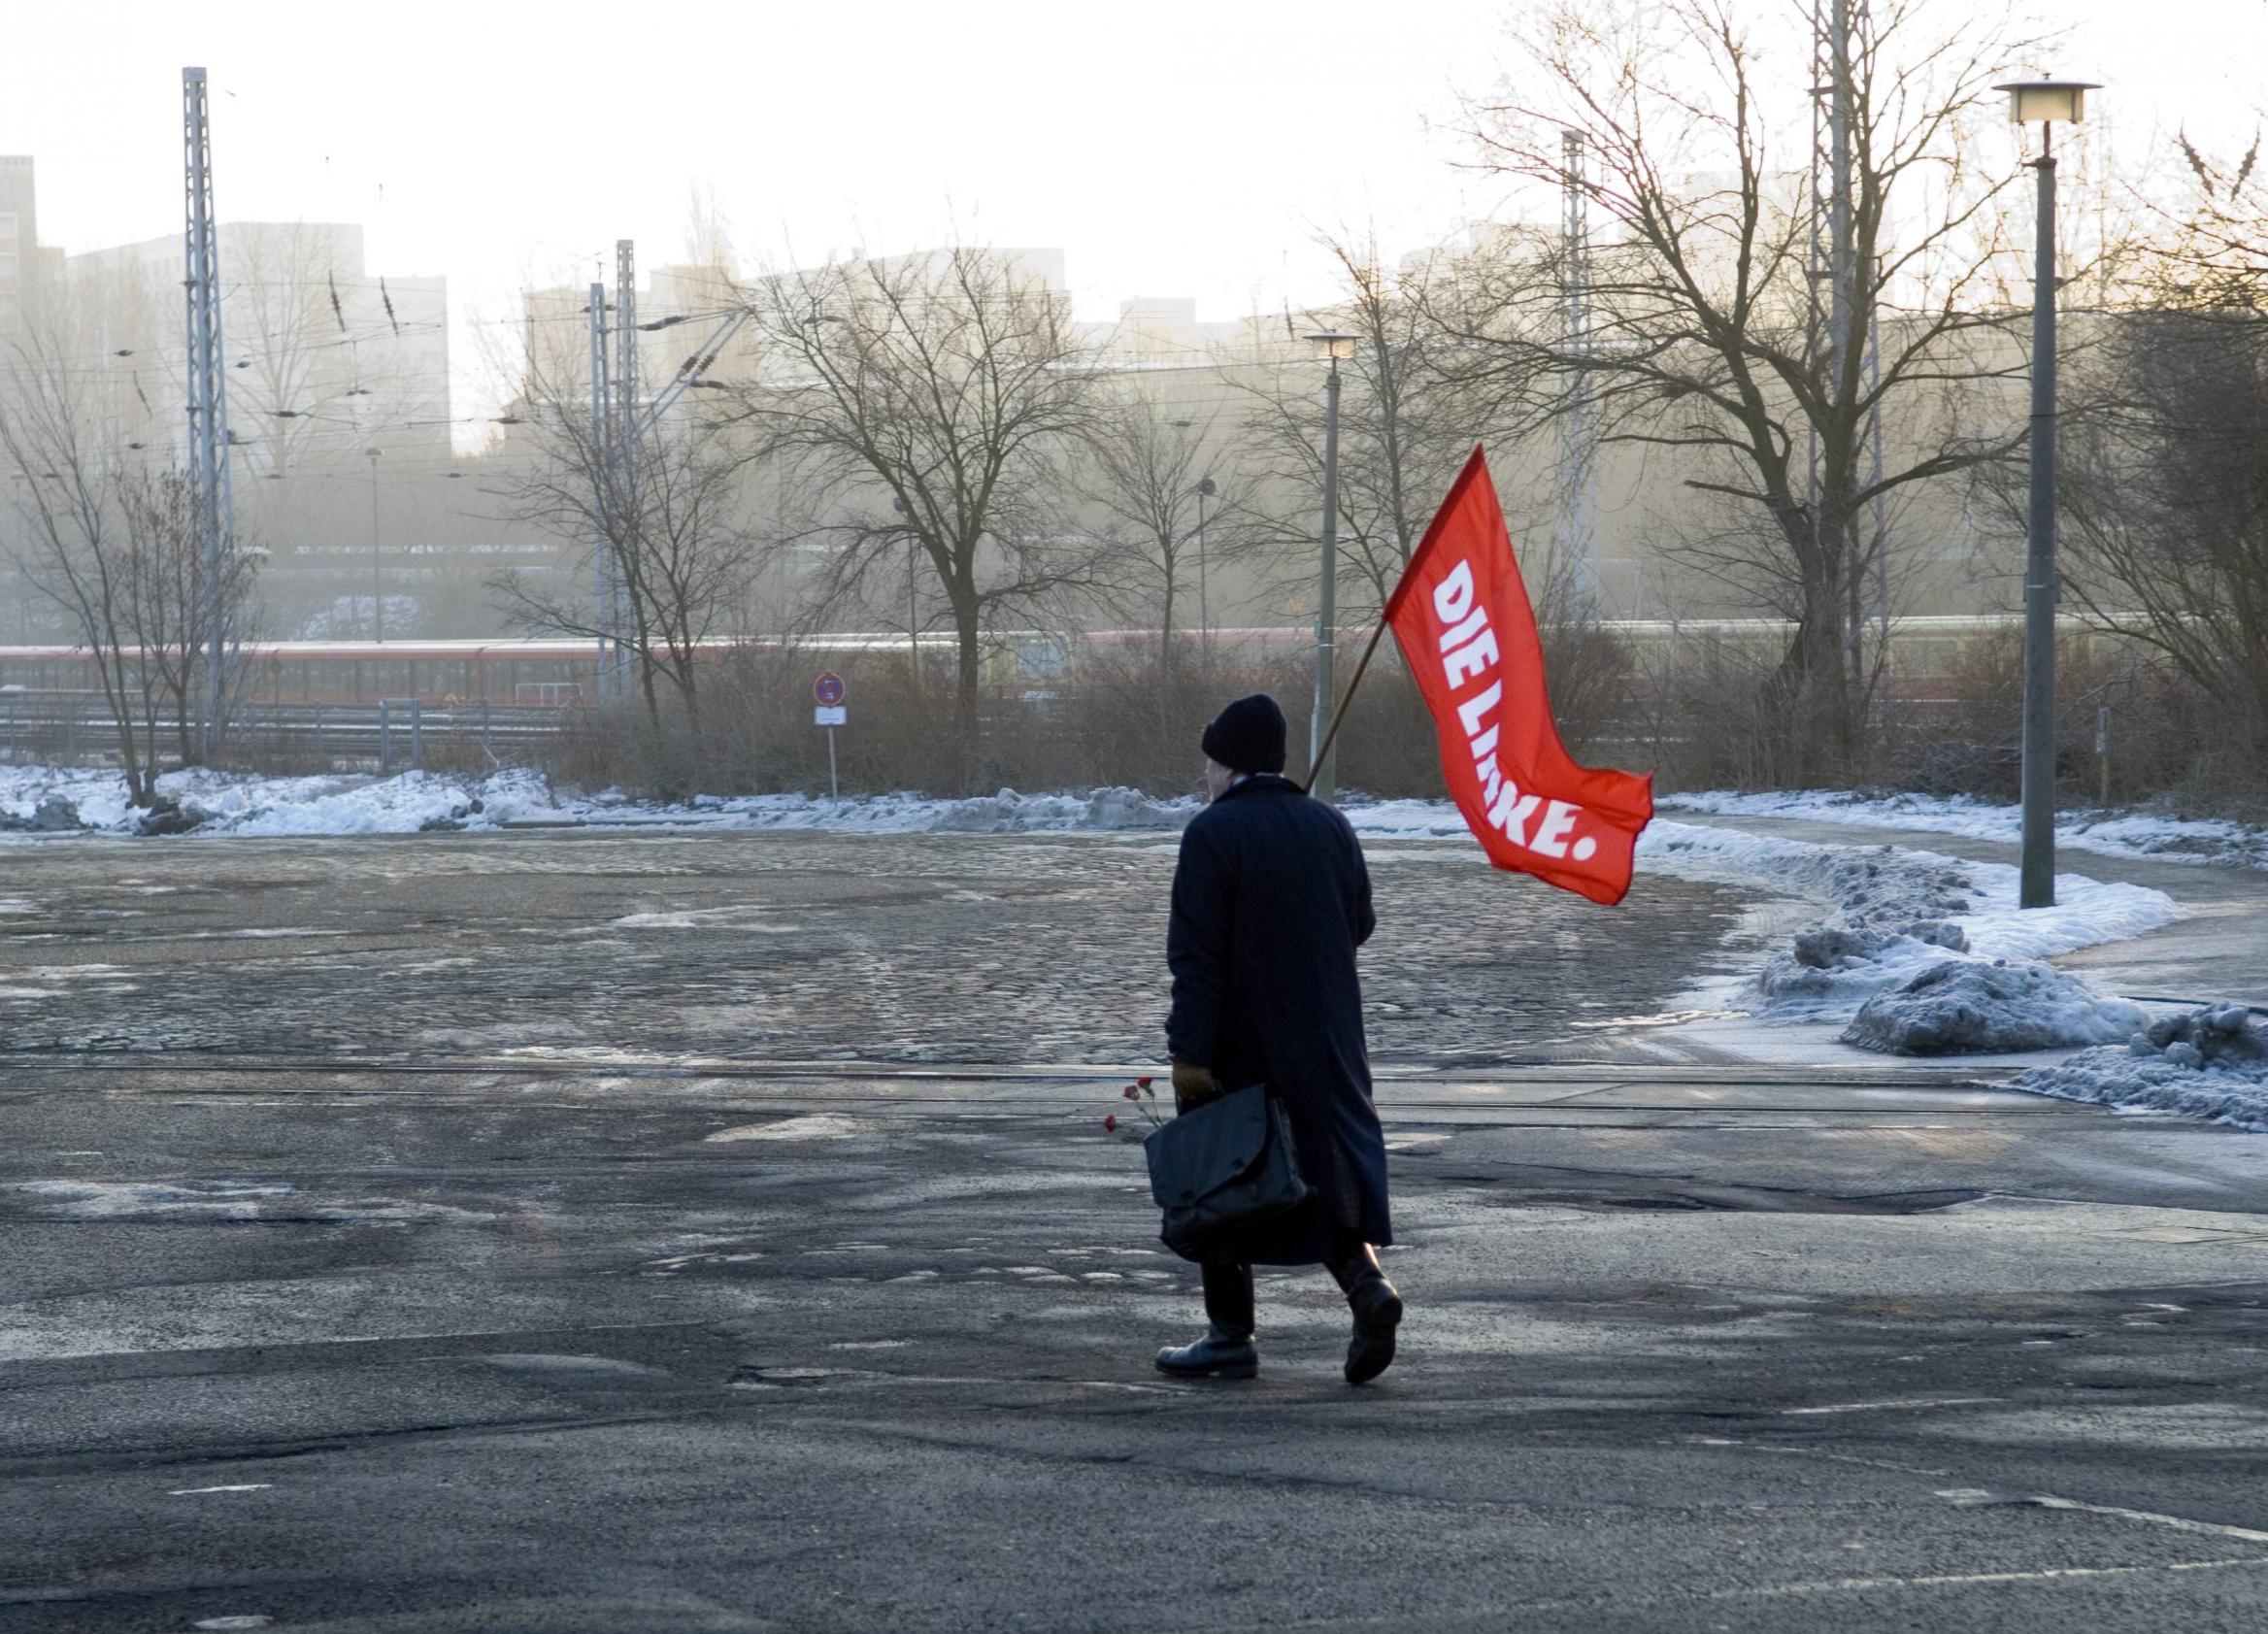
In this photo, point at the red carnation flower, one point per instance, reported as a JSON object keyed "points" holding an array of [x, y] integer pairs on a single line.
{"points": [[1132, 1091], [1142, 1083], [1110, 1124]]}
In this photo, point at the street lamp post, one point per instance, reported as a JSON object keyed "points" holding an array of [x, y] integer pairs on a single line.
{"points": [[2042, 102], [912, 609], [1321, 770], [377, 580], [1207, 487]]}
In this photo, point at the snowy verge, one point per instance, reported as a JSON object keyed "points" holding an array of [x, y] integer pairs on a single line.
{"points": [[224, 803], [1894, 914], [2106, 833]]}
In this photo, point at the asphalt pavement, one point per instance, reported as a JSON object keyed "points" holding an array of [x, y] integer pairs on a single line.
{"points": [[358, 1318]]}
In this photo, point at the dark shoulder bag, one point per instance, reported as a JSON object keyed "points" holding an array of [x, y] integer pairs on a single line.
{"points": [[1229, 1165]]}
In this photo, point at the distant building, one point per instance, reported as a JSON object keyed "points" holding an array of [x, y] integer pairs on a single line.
{"points": [[24, 264], [327, 359], [1162, 332]]}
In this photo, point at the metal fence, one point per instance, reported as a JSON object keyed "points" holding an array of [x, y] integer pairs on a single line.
{"points": [[392, 735]]}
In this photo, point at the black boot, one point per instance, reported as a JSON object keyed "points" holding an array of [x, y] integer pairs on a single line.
{"points": [[1378, 1313], [1226, 1352]]}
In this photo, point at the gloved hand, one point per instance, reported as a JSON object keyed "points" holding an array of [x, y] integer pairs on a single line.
{"points": [[1193, 1086]]}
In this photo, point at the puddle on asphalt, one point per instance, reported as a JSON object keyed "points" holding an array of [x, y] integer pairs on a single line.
{"points": [[749, 1377]]}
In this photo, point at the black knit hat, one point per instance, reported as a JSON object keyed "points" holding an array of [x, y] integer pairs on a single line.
{"points": [[1247, 736]]}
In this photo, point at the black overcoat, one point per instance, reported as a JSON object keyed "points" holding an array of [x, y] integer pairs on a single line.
{"points": [[1271, 899]]}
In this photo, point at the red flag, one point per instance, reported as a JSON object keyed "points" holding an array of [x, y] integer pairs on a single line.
{"points": [[1462, 617]]}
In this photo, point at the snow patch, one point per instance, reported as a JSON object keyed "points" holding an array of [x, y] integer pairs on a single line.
{"points": [[741, 918], [2108, 833], [101, 1200], [818, 1126], [1894, 914], [224, 804]]}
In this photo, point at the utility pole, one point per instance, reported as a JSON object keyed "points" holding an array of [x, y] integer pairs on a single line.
{"points": [[628, 391], [602, 446], [1576, 534], [1322, 768], [1874, 481], [1841, 342], [1842, 300], [619, 416], [208, 395]]}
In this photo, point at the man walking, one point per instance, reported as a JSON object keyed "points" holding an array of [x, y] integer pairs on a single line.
{"points": [[1270, 901]]}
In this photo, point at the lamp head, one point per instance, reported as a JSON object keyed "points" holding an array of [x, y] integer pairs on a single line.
{"points": [[2033, 102], [1336, 346]]}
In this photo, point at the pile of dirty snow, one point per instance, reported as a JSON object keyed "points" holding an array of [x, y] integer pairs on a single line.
{"points": [[2210, 1063], [1962, 1007], [1894, 916]]}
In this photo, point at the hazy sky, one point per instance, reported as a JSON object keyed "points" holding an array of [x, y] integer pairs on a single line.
{"points": [[1170, 147]]}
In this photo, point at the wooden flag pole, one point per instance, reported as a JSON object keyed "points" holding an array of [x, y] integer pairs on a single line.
{"points": [[1339, 716], [1385, 616]]}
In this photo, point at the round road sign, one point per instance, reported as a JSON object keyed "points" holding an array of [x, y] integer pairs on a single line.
{"points": [[829, 689]]}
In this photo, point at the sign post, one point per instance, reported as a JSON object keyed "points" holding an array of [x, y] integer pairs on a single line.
{"points": [[827, 694]]}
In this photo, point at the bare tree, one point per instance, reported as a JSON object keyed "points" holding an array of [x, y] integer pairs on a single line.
{"points": [[1406, 424], [2162, 493], [119, 552], [71, 548], [937, 398], [1719, 331], [1161, 480], [169, 608], [674, 524]]}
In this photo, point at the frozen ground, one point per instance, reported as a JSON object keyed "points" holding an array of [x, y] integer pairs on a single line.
{"points": [[671, 945], [1892, 919], [2108, 833]]}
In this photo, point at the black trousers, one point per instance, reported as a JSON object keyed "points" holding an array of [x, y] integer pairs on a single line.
{"points": [[1228, 1287]]}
